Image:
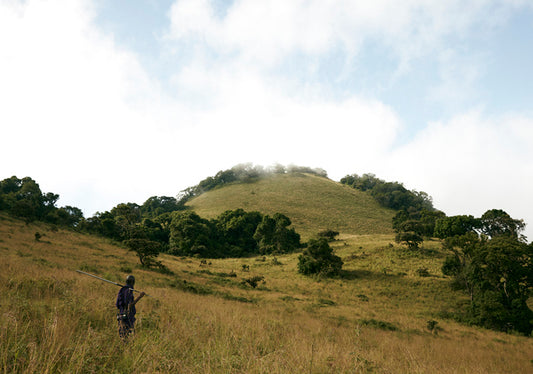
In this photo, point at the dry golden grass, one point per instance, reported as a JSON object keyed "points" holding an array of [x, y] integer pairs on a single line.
{"points": [[373, 319]]}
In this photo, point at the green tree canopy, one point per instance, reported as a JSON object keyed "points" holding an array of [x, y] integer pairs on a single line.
{"points": [[23, 198], [446, 227], [158, 205], [237, 228], [274, 235], [146, 250], [497, 222], [389, 194], [192, 235], [318, 258], [234, 233]]}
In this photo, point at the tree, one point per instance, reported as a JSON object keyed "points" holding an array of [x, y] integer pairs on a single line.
{"points": [[506, 271], [408, 230], [496, 222], [24, 209], [130, 212], [47, 210], [389, 194], [192, 235], [364, 183], [461, 263], [102, 224], [67, 216], [318, 258], [274, 236], [127, 217], [10, 185], [428, 219], [234, 233], [410, 238], [446, 227], [497, 273], [154, 231], [226, 176], [23, 198], [146, 250], [237, 228], [157, 205]]}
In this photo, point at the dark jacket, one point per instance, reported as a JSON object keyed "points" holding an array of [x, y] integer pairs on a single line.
{"points": [[124, 298]]}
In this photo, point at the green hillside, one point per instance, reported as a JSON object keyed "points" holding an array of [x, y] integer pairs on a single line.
{"points": [[381, 316], [312, 203]]}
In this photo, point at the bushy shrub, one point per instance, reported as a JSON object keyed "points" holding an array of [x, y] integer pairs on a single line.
{"points": [[328, 234], [409, 238], [253, 281], [318, 258]]}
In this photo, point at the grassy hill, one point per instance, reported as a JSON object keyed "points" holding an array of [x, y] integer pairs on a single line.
{"points": [[312, 203], [202, 318]]}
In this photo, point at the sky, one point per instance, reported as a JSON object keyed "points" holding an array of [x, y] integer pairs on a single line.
{"points": [[106, 102]]}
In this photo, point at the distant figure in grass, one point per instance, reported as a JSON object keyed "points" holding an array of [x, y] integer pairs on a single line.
{"points": [[126, 308]]}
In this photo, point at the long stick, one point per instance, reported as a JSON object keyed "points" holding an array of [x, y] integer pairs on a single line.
{"points": [[105, 280]]}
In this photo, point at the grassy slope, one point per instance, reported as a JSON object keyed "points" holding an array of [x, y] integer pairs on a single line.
{"points": [[55, 320], [312, 203]]}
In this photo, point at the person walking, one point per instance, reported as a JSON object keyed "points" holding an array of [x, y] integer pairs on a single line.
{"points": [[126, 308]]}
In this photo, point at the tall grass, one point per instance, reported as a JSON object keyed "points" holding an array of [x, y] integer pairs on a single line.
{"points": [[53, 319]]}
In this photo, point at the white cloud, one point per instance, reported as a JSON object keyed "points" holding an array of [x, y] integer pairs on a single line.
{"points": [[191, 17], [70, 98], [264, 37], [458, 77], [265, 32]]}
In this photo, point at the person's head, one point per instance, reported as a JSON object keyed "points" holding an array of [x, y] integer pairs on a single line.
{"points": [[130, 280]]}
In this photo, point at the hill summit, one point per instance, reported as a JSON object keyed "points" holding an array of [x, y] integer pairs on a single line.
{"points": [[312, 202]]}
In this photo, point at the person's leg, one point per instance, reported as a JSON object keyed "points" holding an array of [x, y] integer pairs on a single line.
{"points": [[125, 328]]}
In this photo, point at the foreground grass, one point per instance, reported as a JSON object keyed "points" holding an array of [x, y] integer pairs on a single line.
{"points": [[203, 319]]}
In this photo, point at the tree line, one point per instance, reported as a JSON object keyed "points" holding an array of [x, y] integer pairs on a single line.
{"points": [[391, 195], [23, 198], [234, 233]]}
